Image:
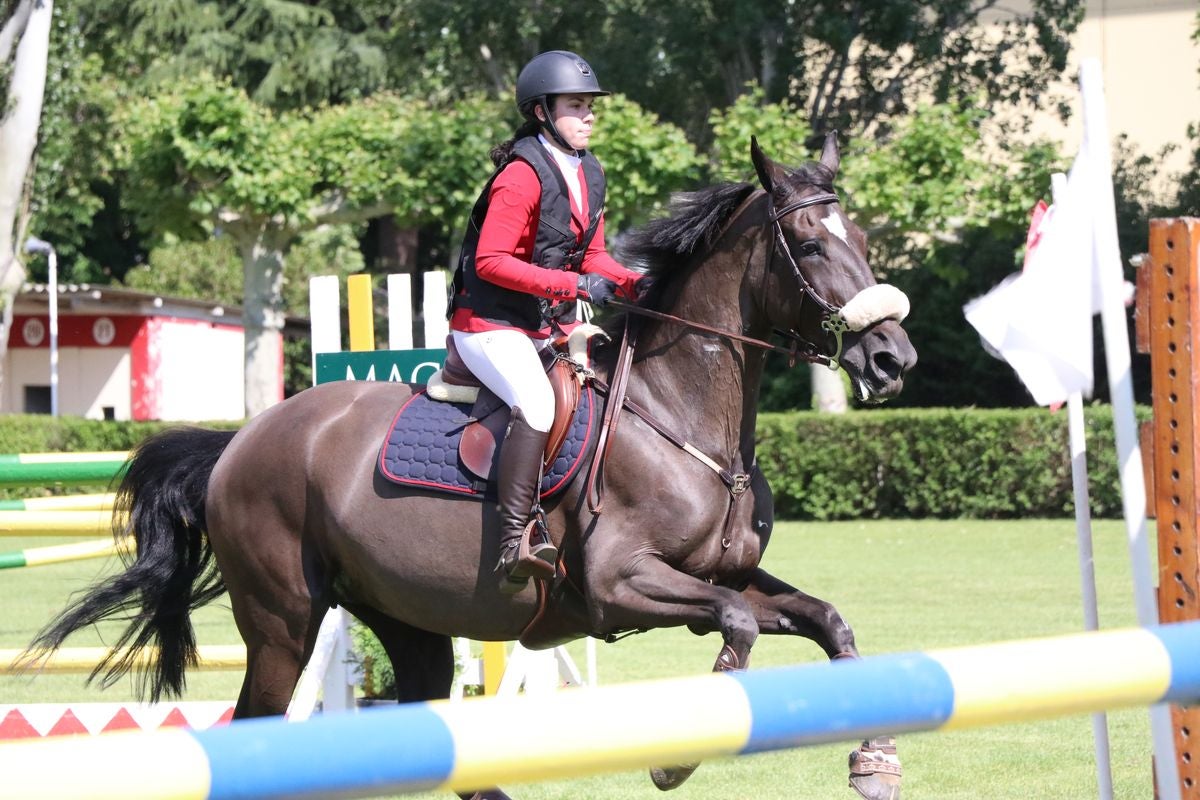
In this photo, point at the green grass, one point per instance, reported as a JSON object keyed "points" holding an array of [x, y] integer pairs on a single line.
{"points": [[901, 585]]}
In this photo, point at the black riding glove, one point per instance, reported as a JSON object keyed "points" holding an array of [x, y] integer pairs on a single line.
{"points": [[596, 289]]}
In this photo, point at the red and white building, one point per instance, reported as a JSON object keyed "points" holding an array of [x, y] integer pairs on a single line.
{"points": [[126, 355]]}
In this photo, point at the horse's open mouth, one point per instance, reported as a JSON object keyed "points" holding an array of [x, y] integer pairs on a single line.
{"points": [[864, 394]]}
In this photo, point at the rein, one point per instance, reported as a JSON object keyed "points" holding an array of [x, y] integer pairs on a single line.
{"points": [[794, 353]]}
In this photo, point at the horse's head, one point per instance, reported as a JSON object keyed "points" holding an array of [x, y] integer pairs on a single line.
{"points": [[819, 288]]}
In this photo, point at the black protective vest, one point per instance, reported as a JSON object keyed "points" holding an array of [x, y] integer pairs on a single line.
{"points": [[555, 247]]}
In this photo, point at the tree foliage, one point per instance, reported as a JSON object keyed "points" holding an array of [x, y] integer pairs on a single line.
{"points": [[853, 65], [646, 158], [285, 53]]}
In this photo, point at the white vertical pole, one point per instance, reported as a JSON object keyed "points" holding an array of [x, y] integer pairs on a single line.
{"points": [[1120, 383], [53, 258], [327, 669], [1083, 537], [399, 292], [325, 316], [1087, 578], [337, 688], [320, 665], [433, 305]]}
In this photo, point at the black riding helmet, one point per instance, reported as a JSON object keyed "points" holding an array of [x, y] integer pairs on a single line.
{"points": [[551, 73]]}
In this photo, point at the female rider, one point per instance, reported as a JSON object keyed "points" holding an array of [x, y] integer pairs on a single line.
{"points": [[534, 245]]}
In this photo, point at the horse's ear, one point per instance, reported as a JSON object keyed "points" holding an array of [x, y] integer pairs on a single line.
{"points": [[769, 173], [831, 157]]}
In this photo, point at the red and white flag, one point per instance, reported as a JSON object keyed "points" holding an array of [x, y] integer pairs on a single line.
{"points": [[1040, 320]]}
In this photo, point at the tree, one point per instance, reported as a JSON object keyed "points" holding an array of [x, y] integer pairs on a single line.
{"points": [[851, 65], [1189, 186], [286, 54], [205, 158], [211, 270], [24, 50]]}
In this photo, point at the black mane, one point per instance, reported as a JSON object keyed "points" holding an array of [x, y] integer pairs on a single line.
{"points": [[694, 221]]}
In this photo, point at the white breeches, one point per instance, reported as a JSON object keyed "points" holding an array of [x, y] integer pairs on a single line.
{"points": [[507, 362]]}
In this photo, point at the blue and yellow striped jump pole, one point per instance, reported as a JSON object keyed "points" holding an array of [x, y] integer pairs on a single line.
{"points": [[67, 469], [442, 745]]}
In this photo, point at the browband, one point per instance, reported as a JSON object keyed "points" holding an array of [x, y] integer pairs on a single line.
{"points": [[811, 200]]}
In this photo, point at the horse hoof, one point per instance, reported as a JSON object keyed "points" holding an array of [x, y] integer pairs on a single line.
{"points": [[668, 778], [875, 770]]}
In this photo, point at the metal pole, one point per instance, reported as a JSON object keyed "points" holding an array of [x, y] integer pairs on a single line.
{"points": [[1083, 536], [53, 257]]}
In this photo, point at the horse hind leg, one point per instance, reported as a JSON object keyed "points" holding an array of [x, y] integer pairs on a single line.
{"points": [[422, 662], [275, 657]]}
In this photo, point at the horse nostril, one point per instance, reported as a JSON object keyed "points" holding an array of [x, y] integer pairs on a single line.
{"points": [[887, 364]]}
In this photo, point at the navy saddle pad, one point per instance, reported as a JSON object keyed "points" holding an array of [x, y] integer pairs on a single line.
{"points": [[421, 448]]}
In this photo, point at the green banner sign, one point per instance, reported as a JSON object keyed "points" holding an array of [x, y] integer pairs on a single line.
{"points": [[402, 366]]}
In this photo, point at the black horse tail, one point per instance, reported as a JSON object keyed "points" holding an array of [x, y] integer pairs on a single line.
{"points": [[161, 500]]}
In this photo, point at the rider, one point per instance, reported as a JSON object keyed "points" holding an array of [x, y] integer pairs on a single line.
{"points": [[534, 245]]}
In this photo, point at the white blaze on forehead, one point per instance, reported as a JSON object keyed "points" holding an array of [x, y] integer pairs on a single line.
{"points": [[833, 223]]}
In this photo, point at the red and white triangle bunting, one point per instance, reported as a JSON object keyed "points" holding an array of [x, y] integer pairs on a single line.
{"points": [[61, 719]]}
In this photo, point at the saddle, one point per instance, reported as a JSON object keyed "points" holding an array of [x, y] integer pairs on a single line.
{"points": [[566, 366], [448, 436]]}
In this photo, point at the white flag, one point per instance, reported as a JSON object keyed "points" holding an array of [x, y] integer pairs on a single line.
{"points": [[1040, 320]]}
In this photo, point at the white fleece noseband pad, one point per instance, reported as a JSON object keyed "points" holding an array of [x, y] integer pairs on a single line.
{"points": [[875, 304]]}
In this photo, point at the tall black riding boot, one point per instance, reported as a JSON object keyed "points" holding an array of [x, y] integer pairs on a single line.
{"points": [[519, 477]]}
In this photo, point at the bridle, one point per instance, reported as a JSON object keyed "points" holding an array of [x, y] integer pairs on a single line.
{"points": [[832, 320], [801, 349]]}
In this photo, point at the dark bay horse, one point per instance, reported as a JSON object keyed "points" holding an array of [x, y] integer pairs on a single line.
{"points": [[290, 516]]}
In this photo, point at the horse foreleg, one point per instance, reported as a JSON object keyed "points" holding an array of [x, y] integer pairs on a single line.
{"points": [[781, 609], [650, 594]]}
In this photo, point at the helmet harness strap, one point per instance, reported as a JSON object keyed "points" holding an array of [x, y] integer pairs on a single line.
{"points": [[544, 102]]}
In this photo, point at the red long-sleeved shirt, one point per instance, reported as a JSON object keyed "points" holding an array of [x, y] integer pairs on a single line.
{"points": [[506, 243]]}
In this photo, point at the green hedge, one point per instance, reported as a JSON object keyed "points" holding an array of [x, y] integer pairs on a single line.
{"points": [[38, 433], [934, 463], [899, 463]]}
